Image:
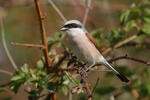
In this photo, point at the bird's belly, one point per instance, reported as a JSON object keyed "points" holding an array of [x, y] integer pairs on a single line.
{"points": [[84, 50]]}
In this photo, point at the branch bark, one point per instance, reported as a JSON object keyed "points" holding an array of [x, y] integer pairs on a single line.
{"points": [[45, 44], [43, 34], [28, 45]]}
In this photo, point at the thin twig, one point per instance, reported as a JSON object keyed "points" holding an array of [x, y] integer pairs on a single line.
{"points": [[70, 78], [86, 86], [87, 6], [57, 10], [95, 85], [28, 45], [43, 34], [5, 46], [6, 72], [120, 44], [129, 58]]}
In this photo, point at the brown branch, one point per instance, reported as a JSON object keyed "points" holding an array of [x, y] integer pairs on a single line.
{"points": [[28, 45], [43, 34], [45, 44], [6, 72], [129, 58], [86, 86]]}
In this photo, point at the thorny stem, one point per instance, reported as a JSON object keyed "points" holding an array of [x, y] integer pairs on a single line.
{"points": [[43, 33]]}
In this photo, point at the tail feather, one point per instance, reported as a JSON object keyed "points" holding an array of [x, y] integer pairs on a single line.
{"points": [[118, 74]]}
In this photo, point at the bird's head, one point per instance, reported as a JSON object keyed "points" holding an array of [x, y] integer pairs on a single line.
{"points": [[72, 26]]}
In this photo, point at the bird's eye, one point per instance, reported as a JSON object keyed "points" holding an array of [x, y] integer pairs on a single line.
{"points": [[72, 26]]}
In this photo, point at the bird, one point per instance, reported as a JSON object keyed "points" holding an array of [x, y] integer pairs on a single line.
{"points": [[84, 47]]}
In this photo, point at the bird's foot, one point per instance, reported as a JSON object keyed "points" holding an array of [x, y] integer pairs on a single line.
{"points": [[83, 73]]}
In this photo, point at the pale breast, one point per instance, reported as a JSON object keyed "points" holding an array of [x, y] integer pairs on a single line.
{"points": [[83, 48]]}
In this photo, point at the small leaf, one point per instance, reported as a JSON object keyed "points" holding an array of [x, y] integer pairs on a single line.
{"points": [[50, 86], [64, 90], [40, 64], [15, 87], [131, 24], [16, 77], [124, 16], [146, 28]]}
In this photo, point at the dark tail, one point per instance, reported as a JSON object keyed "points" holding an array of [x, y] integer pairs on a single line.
{"points": [[119, 75]]}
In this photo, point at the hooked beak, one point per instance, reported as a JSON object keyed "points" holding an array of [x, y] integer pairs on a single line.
{"points": [[63, 29]]}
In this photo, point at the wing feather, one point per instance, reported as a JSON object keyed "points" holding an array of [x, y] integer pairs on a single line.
{"points": [[92, 40]]}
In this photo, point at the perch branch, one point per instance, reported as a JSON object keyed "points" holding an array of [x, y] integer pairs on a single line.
{"points": [[5, 46], [57, 10], [43, 34], [28, 45], [87, 6]]}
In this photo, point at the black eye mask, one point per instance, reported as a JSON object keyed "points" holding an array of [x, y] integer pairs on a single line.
{"points": [[72, 25]]}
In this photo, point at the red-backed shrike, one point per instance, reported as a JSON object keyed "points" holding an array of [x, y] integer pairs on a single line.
{"points": [[85, 48]]}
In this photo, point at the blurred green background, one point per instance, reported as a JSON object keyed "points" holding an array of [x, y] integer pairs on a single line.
{"points": [[21, 25]]}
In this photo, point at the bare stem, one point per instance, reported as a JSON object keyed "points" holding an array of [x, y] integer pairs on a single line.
{"points": [[5, 46], [28, 45], [6, 72], [87, 6], [57, 10]]}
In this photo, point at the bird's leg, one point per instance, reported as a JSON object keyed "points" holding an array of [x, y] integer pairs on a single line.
{"points": [[90, 67], [83, 72]]}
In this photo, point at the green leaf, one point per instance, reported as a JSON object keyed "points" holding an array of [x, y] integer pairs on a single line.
{"points": [[64, 90], [50, 86], [146, 12], [144, 4], [49, 39], [48, 77], [147, 19], [15, 87], [2, 90], [40, 64], [131, 24], [16, 77], [24, 68], [124, 16], [34, 93], [146, 28]]}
